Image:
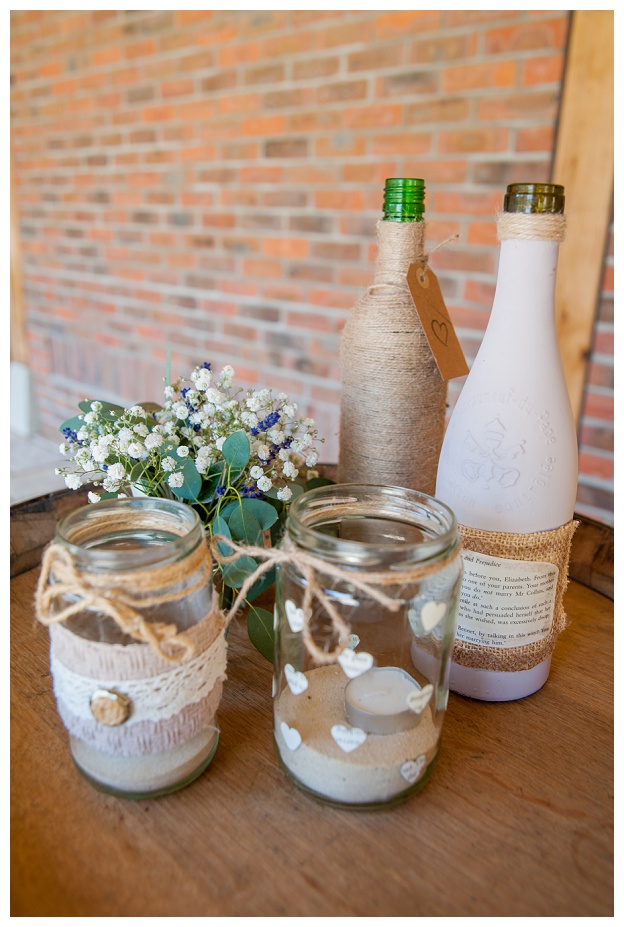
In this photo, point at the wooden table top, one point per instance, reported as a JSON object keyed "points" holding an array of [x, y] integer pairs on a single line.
{"points": [[517, 819]]}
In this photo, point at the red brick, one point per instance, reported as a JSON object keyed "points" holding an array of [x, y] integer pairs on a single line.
{"points": [[547, 70]]}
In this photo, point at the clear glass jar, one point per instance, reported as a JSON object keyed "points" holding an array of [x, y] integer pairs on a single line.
{"points": [[140, 725], [364, 731]]}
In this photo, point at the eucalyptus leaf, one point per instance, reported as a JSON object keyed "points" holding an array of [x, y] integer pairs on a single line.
{"points": [[209, 488], [192, 485], [235, 574], [261, 585], [318, 481], [245, 526], [236, 450], [85, 406], [264, 512], [220, 526], [261, 633], [74, 423]]}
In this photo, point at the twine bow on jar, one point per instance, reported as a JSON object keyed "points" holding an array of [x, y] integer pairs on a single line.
{"points": [[310, 566], [121, 597]]}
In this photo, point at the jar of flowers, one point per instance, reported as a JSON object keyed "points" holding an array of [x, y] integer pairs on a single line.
{"points": [[238, 457]]}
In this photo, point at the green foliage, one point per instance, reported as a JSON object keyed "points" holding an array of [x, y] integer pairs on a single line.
{"points": [[260, 630]]}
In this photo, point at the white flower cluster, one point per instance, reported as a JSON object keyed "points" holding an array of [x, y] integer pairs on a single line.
{"points": [[153, 449]]}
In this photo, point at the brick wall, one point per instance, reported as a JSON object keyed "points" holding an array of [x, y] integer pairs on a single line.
{"points": [[211, 180]]}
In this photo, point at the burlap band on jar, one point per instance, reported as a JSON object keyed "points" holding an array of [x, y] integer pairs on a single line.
{"points": [[542, 546], [168, 703]]}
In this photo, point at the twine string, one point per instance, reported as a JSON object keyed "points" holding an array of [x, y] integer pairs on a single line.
{"points": [[121, 597], [310, 567]]}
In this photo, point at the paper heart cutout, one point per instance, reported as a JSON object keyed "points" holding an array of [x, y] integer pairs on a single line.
{"points": [[440, 330], [412, 770], [418, 700], [297, 682], [353, 641], [348, 738], [354, 664], [291, 735], [432, 614], [295, 616]]}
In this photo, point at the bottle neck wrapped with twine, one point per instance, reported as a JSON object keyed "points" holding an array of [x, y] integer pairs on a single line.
{"points": [[393, 398]]}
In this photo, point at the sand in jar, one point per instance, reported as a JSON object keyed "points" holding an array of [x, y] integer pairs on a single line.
{"points": [[337, 762]]}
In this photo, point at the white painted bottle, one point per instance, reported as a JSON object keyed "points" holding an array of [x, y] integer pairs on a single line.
{"points": [[509, 460]]}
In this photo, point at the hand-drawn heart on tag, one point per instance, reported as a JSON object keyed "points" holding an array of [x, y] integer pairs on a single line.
{"points": [[418, 700], [348, 738], [431, 614], [291, 736], [295, 616], [412, 770], [440, 330], [296, 680], [354, 664]]}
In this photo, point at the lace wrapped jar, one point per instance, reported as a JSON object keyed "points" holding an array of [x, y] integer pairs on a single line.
{"points": [[137, 644], [365, 610]]}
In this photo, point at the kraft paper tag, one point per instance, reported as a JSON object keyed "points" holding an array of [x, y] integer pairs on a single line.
{"points": [[436, 322]]}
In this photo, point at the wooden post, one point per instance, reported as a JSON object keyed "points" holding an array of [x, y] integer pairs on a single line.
{"points": [[583, 163]]}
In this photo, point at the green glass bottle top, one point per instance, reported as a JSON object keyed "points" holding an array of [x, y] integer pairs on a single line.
{"points": [[534, 198], [404, 199]]}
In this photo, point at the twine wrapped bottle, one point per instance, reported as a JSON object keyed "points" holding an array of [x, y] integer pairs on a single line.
{"points": [[393, 397], [508, 467]]}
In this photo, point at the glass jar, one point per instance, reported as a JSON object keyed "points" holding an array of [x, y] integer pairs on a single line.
{"points": [[138, 651], [359, 705]]}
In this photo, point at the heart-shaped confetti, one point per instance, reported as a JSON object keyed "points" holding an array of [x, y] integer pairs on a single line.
{"points": [[291, 736], [296, 680], [412, 770], [295, 616], [432, 614], [348, 738], [354, 664], [418, 700]]}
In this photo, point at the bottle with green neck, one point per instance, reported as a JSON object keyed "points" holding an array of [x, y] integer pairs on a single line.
{"points": [[393, 397]]}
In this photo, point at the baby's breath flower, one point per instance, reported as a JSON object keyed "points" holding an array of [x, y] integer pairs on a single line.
{"points": [[311, 459], [93, 497], [90, 417], [256, 472], [153, 440], [136, 450], [264, 483], [284, 493], [110, 485], [290, 470], [116, 471], [168, 463], [97, 407], [169, 392], [181, 410], [176, 480], [73, 481], [141, 430], [182, 451]]}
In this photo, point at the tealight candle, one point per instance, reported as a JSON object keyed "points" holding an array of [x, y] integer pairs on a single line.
{"points": [[377, 701]]}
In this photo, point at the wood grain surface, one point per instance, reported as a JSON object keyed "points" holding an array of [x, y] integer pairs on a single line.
{"points": [[517, 819]]}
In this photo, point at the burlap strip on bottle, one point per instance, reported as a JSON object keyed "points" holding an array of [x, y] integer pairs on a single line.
{"points": [[542, 546]]}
